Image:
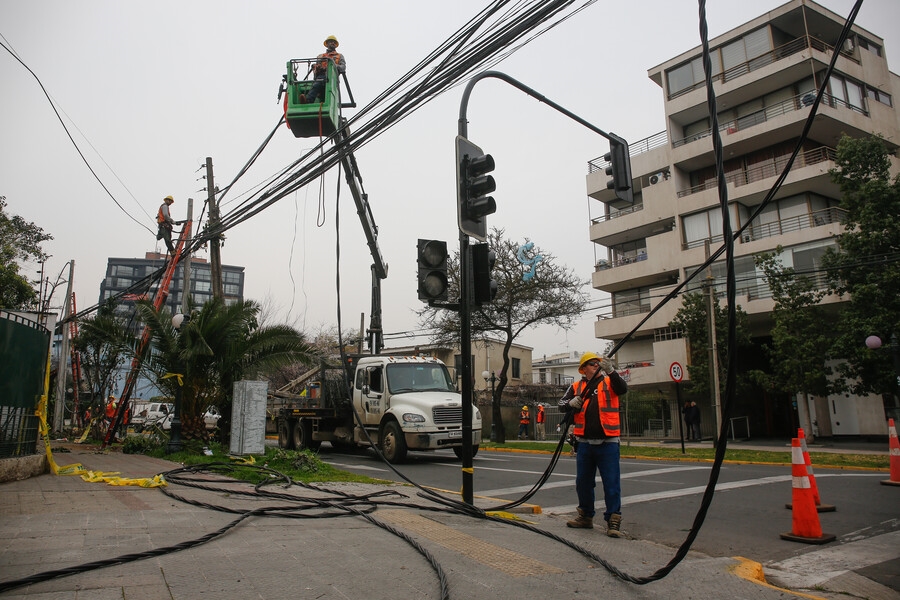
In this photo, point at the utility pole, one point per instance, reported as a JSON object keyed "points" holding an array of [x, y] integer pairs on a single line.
{"points": [[59, 409], [713, 347], [186, 264], [215, 258]]}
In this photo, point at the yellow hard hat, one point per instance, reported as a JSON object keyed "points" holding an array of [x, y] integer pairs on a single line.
{"points": [[587, 356], [331, 38], [168, 199], [525, 408]]}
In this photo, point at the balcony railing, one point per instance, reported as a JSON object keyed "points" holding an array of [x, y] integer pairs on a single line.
{"points": [[765, 171], [620, 260], [798, 102], [762, 290], [619, 213], [789, 49], [639, 147], [816, 218]]}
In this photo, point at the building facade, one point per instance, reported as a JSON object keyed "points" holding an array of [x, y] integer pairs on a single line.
{"points": [[123, 273], [766, 74]]}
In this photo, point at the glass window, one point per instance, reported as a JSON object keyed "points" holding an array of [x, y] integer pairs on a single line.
{"points": [[232, 289], [516, 368], [680, 78], [232, 277], [202, 286], [854, 95]]}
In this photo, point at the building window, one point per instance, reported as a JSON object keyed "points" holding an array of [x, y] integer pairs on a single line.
{"points": [[516, 368], [847, 92], [202, 286], [232, 289], [870, 46], [702, 226], [878, 95], [201, 274], [232, 277], [631, 302]]}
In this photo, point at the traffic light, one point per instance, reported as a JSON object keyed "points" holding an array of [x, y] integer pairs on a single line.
{"points": [[432, 261], [483, 259], [620, 170], [473, 185]]}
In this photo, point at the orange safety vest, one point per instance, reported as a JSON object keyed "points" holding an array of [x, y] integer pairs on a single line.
{"points": [[609, 408], [540, 414], [524, 418], [160, 217], [323, 64]]}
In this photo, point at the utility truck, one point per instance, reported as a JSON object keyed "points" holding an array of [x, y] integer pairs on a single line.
{"points": [[401, 403]]}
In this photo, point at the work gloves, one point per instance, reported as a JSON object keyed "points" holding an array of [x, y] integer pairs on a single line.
{"points": [[606, 365], [576, 402]]}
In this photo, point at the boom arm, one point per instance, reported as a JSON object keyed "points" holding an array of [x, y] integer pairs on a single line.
{"points": [[374, 334]]}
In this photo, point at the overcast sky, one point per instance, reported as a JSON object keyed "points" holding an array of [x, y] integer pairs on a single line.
{"points": [[150, 89]]}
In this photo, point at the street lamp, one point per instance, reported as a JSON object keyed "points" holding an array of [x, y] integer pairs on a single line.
{"points": [[175, 443], [490, 377]]}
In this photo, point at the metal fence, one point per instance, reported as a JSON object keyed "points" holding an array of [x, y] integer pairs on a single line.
{"points": [[24, 348]]}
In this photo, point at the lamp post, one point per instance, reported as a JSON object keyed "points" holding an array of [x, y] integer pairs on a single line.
{"points": [[175, 443], [490, 377], [873, 342]]}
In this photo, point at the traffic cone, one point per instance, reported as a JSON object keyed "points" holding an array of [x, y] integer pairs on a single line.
{"points": [[812, 478], [894, 450], [806, 527]]}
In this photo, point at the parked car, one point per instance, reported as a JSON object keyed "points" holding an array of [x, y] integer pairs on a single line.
{"points": [[211, 417]]}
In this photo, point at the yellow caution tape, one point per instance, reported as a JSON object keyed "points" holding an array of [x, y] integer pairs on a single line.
{"points": [[506, 515], [41, 413], [113, 478], [468, 470], [180, 377], [243, 460]]}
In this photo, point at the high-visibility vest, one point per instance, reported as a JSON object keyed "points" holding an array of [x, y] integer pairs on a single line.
{"points": [[160, 217], [609, 407], [540, 415], [322, 65], [524, 418]]}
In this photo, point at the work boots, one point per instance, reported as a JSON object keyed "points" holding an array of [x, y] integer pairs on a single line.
{"points": [[581, 521], [614, 527]]}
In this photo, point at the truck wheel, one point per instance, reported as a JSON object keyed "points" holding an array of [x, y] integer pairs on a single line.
{"points": [[285, 435], [303, 436], [393, 443], [458, 451]]}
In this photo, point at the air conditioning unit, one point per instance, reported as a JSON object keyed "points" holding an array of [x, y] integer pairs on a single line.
{"points": [[656, 178]]}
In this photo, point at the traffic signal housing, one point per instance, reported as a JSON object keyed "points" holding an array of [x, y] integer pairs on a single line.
{"points": [[473, 186], [485, 287], [620, 170], [432, 263]]}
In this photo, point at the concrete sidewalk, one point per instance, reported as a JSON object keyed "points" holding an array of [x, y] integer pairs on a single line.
{"points": [[55, 522]]}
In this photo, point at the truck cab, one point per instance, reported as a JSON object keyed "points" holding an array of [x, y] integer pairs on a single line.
{"points": [[412, 404]]}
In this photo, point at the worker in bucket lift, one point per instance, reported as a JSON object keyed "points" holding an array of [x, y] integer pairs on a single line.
{"points": [[320, 70]]}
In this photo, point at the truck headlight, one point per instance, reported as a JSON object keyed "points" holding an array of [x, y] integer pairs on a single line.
{"points": [[413, 418]]}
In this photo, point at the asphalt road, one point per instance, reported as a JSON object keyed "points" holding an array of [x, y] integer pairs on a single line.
{"points": [[661, 501]]}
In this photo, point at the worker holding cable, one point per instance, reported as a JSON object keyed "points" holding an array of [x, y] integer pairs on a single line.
{"points": [[593, 404]]}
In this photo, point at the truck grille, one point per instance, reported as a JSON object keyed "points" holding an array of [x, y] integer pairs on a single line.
{"points": [[447, 415]]}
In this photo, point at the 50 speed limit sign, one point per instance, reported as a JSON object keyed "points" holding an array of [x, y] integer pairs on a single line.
{"points": [[676, 372]]}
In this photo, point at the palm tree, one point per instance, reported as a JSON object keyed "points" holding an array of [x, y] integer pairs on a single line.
{"points": [[215, 347]]}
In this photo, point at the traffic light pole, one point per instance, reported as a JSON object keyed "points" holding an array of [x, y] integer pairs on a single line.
{"points": [[465, 279]]}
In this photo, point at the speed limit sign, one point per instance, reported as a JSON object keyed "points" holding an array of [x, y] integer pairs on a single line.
{"points": [[676, 372]]}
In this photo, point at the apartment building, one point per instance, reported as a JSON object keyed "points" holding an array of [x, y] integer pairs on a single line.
{"points": [[766, 74], [122, 273]]}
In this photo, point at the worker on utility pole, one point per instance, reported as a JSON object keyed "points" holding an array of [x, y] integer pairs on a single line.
{"points": [[165, 221]]}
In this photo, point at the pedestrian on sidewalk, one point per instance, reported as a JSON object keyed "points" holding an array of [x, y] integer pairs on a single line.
{"points": [[539, 431], [595, 403]]}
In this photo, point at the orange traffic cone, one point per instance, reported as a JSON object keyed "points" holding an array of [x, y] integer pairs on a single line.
{"points": [[894, 447], [812, 478], [806, 527]]}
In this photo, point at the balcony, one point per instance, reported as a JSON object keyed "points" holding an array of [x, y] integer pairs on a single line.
{"points": [[799, 102], [765, 171], [789, 49]]}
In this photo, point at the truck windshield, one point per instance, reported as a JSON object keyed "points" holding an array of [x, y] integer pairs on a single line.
{"points": [[419, 378]]}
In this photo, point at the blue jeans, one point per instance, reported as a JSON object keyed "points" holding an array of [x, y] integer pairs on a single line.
{"points": [[590, 459]]}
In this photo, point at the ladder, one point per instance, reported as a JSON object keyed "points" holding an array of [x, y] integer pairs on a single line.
{"points": [[158, 301]]}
